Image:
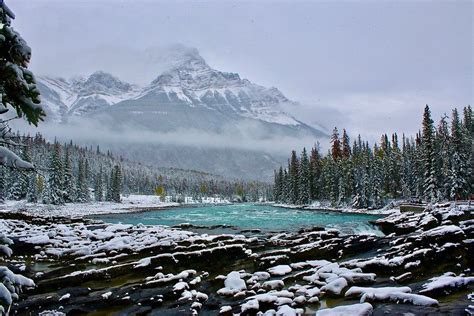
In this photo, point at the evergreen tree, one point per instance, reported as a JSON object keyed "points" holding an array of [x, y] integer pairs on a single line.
{"points": [[32, 194], [458, 176], [69, 185], [443, 161], [276, 186], [286, 197], [108, 195], [116, 184], [54, 191], [428, 156], [3, 176], [304, 194], [293, 173], [315, 164], [435, 165], [335, 145], [82, 188], [469, 149], [377, 191], [346, 147], [99, 188]]}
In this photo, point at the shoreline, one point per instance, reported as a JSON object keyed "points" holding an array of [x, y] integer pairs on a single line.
{"points": [[73, 261], [381, 211]]}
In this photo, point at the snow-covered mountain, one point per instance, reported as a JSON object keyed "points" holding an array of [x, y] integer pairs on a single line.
{"points": [[190, 81], [189, 95], [63, 98]]}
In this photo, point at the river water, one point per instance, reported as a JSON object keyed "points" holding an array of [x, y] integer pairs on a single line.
{"points": [[250, 216]]}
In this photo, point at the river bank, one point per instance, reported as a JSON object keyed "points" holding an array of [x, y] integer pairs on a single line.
{"points": [[421, 267]]}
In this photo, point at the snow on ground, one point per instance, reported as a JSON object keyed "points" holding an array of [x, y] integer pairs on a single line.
{"points": [[95, 241], [299, 275], [131, 203], [326, 206]]}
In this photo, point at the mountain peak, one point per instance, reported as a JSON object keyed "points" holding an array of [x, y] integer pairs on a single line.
{"points": [[101, 81]]}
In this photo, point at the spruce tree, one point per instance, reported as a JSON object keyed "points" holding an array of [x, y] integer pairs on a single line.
{"points": [[428, 157], [3, 175], [32, 193], [116, 184], [281, 185], [276, 186], [443, 158], [69, 185], [315, 172], [82, 188], [346, 147], [377, 191], [468, 128], [303, 179], [55, 193], [286, 197], [99, 187], [335, 145], [293, 173], [458, 175]]}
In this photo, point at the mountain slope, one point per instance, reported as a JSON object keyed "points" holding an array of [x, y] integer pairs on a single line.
{"points": [[64, 98], [190, 116]]}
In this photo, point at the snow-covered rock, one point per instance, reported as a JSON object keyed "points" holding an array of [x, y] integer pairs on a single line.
{"points": [[232, 284], [390, 294], [446, 284], [363, 309]]}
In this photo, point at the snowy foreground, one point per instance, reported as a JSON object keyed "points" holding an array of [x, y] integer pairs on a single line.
{"points": [[423, 267], [129, 204]]}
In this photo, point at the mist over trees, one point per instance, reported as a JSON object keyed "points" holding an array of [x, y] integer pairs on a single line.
{"points": [[435, 165], [69, 173]]}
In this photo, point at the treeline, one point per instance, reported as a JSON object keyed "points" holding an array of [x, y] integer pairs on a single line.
{"points": [[71, 173], [435, 165]]}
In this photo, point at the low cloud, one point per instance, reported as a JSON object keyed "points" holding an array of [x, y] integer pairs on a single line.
{"points": [[243, 136]]}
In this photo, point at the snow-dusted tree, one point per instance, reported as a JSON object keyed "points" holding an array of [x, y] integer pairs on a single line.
{"points": [[99, 186], [468, 128], [293, 173], [19, 179], [377, 190], [315, 165], [17, 89], [443, 158], [346, 146], [286, 187], [116, 184], [457, 179], [109, 180], [395, 167], [276, 186], [3, 175], [303, 179], [428, 157], [32, 194], [460, 166], [333, 180], [54, 191], [82, 194], [68, 182], [336, 151]]}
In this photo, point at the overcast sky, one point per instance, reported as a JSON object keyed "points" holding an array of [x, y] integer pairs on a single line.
{"points": [[369, 66]]}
